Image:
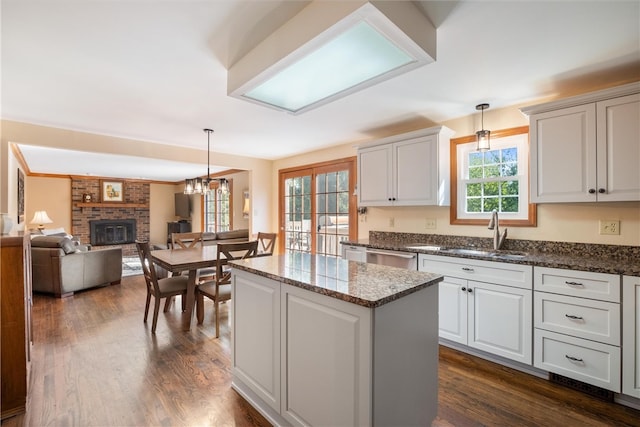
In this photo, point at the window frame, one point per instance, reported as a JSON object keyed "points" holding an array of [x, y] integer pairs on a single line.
{"points": [[455, 218]]}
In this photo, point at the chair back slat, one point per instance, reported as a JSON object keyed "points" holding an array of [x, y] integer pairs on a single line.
{"points": [[232, 251], [148, 268], [267, 242], [186, 240]]}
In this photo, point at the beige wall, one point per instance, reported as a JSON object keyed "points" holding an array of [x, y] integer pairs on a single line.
{"points": [[52, 195], [576, 222]]}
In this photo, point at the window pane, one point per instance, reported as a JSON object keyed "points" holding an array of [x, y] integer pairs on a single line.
{"points": [[331, 182], [509, 188], [343, 180], [306, 184], [475, 159], [491, 171], [343, 202], [321, 183], [474, 190], [321, 203], [509, 169], [492, 156], [510, 204], [510, 155], [491, 189], [475, 173], [474, 205], [491, 203], [332, 203]]}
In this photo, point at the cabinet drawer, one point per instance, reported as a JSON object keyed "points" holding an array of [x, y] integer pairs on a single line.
{"points": [[482, 271], [601, 286], [584, 318], [586, 361]]}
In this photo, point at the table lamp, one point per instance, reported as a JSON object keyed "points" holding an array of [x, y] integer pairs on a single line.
{"points": [[41, 218]]}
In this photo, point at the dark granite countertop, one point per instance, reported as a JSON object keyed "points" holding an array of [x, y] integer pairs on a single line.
{"points": [[368, 285], [576, 256]]}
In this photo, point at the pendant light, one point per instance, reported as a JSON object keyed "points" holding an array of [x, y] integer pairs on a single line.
{"points": [[199, 185], [483, 136]]}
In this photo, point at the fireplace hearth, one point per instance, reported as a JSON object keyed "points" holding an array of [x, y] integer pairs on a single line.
{"points": [[105, 232]]}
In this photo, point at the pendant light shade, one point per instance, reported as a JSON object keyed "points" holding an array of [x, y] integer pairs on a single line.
{"points": [[483, 136]]}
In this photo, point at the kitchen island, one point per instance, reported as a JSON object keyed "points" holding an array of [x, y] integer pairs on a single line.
{"points": [[324, 341]]}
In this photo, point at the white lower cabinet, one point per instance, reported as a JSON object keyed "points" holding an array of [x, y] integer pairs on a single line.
{"points": [[494, 317], [577, 325], [306, 359], [631, 336]]}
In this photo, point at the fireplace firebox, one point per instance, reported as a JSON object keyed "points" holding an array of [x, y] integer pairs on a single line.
{"points": [[105, 232]]}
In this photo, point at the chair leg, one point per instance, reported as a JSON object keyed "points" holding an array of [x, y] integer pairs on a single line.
{"points": [[167, 304], [156, 309], [184, 301], [217, 307], [200, 308], [146, 307]]}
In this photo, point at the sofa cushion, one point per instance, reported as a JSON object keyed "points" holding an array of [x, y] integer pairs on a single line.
{"points": [[233, 234], [61, 242]]}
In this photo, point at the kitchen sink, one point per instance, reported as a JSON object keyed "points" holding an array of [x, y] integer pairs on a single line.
{"points": [[465, 251]]}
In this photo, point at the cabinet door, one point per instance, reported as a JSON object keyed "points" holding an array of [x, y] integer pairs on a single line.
{"points": [[619, 149], [563, 155], [256, 330], [500, 320], [631, 336], [416, 171], [375, 176], [452, 309], [326, 360]]}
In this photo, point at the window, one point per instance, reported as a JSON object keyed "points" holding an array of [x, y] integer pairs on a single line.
{"points": [[217, 209], [495, 179]]}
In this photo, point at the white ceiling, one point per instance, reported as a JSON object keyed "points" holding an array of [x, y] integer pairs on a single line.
{"points": [[156, 71]]}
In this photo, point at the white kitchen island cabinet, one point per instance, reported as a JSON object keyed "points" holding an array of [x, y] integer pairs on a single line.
{"points": [[324, 341]]}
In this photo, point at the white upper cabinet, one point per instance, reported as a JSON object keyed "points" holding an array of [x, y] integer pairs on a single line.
{"points": [[411, 169], [586, 148]]}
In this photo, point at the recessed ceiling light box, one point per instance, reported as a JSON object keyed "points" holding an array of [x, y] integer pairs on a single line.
{"points": [[330, 50]]}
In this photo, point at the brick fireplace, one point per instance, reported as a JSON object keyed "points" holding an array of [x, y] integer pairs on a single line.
{"points": [[134, 208]]}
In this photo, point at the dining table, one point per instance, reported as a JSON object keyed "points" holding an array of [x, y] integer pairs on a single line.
{"points": [[177, 261]]}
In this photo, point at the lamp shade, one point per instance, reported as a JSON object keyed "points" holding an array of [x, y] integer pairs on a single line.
{"points": [[41, 218]]}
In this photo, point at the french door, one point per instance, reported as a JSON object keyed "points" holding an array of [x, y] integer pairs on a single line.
{"points": [[317, 207]]}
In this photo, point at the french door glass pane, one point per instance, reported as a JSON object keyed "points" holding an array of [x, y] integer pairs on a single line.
{"points": [[297, 202]]}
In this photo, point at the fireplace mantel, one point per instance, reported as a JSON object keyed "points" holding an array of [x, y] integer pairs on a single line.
{"points": [[110, 205]]}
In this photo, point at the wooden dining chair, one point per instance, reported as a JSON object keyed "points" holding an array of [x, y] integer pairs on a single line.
{"points": [[186, 240], [219, 289], [266, 243], [167, 287]]}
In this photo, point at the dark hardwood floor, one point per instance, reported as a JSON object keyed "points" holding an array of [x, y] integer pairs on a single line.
{"points": [[95, 363]]}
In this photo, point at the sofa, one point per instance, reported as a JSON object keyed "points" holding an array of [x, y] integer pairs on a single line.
{"points": [[211, 238], [62, 266]]}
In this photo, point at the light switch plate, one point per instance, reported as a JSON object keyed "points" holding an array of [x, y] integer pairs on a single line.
{"points": [[609, 226]]}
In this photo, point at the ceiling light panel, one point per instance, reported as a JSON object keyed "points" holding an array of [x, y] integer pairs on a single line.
{"points": [[353, 48]]}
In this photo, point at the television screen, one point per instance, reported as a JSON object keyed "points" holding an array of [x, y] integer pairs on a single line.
{"points": [[182, 205]]}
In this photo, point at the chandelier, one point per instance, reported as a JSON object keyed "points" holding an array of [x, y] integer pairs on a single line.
{"points": [[202, 185]]}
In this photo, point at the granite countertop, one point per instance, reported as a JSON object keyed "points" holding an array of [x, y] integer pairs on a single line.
{"points": [[368, 285], [611, 259]]}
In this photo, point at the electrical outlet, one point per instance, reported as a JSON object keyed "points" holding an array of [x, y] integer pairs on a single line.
{"points": [[429, 223], [609, 227], [392, 222]]}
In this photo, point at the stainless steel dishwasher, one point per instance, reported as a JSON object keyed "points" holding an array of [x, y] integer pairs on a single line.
{"points": [[399, 259]]}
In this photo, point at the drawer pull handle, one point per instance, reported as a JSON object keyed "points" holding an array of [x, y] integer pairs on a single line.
{"points": [[571, 316], [574, 283], [467, 269], [573, 359]]}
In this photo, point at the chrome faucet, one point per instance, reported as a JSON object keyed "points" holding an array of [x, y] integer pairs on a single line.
{"points": [[498, 240]]}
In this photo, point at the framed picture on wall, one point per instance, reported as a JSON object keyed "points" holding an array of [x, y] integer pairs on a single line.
{"points": [[20, 197], [112, 191]]}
